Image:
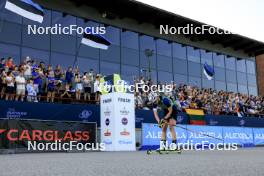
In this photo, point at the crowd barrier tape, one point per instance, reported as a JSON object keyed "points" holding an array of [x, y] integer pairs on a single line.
{"points": [[243, 136]]}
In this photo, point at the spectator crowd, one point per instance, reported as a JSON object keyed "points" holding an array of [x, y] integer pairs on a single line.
{"points": [[211, 101], [33, 82]]}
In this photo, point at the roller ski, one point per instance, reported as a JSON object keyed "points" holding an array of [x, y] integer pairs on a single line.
{"points": [[167, 151], [164, 149]]}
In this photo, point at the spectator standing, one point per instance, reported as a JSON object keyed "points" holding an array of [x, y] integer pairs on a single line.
{"points": [[20, 86], [97, 88], [10, 89], [28, 69], [10, 63], [2, 63], [69, 76], [51, 87], [58, 74], [37, 78], [3, 83], [87, 84], [78, 86], [31, 91]]}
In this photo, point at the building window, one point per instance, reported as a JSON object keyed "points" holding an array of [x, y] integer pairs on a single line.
{"points": [[112, 54], [206, 57], [65, 21], [251, 79], [231, 76], [230, 63], [113, 35], [37, 55], [207, 83], [194, 69], [85, 64], [251, 67], [241, 65], [129, 73], [10, 51], [219, 74], [179, 51], [64, 44], [180, 66], [62, 59], [219, 60], [147, 42], [231, 87], [129, 56], [219, 85], [180, 79], [129, 40], [164, 63], [242, 89], [163, 48], [108, 68], [146, 60], [193, 54], [252, 90], [242, 78], [194, 81], [165, 77], [10, 33]]}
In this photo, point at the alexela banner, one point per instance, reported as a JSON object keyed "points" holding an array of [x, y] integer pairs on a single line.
{"points": [[118, 122], [195, 134]]}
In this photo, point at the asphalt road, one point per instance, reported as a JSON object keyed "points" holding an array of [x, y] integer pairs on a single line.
{"points": [[243, 162]]}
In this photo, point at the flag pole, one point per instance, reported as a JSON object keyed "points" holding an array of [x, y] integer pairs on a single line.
{"points": [[76, 56]]}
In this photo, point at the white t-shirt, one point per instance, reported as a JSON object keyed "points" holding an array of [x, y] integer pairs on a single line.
{"points": [[96, 86], [28, 71], [21, 82], [10, 82]]}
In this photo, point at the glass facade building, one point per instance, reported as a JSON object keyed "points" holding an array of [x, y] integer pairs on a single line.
{"points": [[169, 61]]}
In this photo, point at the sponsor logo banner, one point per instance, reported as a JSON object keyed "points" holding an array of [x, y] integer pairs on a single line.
{"points": [[151, 135], [18, 133]]}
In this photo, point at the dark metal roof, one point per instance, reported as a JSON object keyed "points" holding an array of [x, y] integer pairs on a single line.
{"points": [[144, 13]]}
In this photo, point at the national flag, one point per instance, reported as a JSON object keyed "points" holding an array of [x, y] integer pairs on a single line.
{"points": [[26, 8], [196, 116], [112, 81], [208, 71], [95, 41]]}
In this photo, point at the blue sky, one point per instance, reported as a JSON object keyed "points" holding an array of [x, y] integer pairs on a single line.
{"points": [[244, 17]]}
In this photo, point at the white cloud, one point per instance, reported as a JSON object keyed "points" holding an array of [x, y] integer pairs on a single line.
{"points": [[244, 17]]}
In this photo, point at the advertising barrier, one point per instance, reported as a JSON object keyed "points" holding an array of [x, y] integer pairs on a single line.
{"points": [[258, 136], [193, 134], [39, 135], [151, 134], [91, 113], [49, 111], [118, 122], [243, 136]]}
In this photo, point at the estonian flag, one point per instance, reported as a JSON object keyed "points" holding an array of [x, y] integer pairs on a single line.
{"points": [[208, 71], [26, 8], [95, 41]]}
